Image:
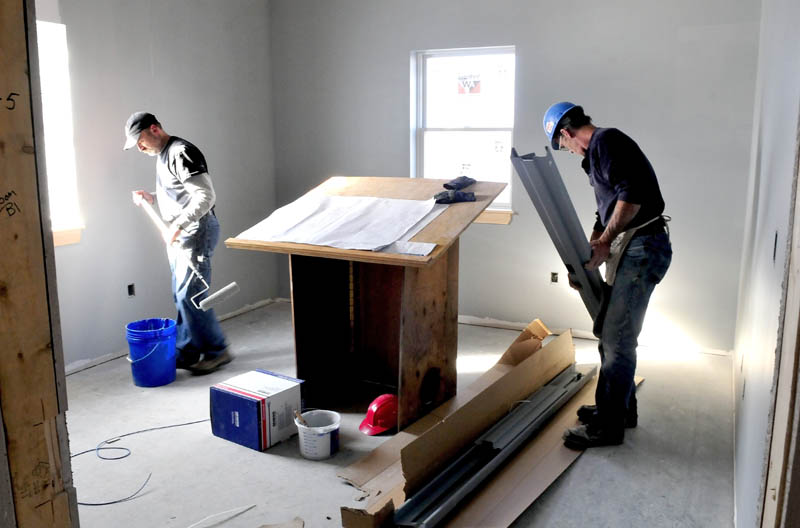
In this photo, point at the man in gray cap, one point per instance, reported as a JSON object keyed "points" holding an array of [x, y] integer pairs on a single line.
{"points": [[186, 199]]}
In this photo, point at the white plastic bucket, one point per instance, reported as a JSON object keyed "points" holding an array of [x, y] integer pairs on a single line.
{"points": [[320, 439]]}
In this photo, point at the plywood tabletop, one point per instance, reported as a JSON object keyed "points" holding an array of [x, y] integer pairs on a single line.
{"points": [[442, 231]]}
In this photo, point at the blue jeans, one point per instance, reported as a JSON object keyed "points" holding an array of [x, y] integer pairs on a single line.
{"points": [[643, 265], [198, 332]]}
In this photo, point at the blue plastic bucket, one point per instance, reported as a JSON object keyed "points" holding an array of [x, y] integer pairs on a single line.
{"points": [[152, 351]]}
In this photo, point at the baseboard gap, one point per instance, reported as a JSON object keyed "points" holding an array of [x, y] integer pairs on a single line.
{"points": [[250, 307], [81, 365]]}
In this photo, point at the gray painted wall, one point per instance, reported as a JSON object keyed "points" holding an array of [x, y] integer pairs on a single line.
{"points": [[202, 67], [677, 76], [769, 191], [48, 10]]}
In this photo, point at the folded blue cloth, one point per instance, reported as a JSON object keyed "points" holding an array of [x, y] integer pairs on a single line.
{"points": [[446, 197], [459, 183]]}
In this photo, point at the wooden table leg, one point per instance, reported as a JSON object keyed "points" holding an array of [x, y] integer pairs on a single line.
{"points": [[429, 337], [366, 329]]}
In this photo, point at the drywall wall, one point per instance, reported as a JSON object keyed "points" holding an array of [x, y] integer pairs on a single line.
{"points": [[677, 76], [203, 68], [764, 259], [48, 10]]}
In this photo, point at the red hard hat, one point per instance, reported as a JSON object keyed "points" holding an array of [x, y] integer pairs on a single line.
{"points": [[381, 415]]}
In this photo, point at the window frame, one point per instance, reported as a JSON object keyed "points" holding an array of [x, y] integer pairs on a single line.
{"points": [[419, 116]]}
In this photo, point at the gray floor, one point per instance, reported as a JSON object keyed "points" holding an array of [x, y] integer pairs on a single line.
{"points": [[674, 470]]}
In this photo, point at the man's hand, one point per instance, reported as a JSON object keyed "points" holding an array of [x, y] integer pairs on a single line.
{"points": [[601, 240], [138, 196], [573, 283], [171, 234], [600, 251]]}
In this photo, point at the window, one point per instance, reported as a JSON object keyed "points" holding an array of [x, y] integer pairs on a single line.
{"points": [[65, 216], [464, 116]]}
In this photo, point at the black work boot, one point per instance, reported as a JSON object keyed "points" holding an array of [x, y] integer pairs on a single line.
{"points": [[584, 436], [587, 414]]}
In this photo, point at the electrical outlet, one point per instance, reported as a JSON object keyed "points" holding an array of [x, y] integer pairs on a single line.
{"points": [[131, 290], [553, 277]]}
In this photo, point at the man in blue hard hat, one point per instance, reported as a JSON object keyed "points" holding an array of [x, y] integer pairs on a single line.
{"points": [[186, 201], [630, 236]]}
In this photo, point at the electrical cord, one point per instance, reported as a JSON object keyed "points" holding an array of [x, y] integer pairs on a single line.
{"points": [[126, 453]]}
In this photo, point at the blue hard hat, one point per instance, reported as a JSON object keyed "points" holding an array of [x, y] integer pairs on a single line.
{"points": [[553, 117]]}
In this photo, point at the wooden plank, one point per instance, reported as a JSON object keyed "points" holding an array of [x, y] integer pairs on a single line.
{"points": [[783, 440], [308, 250], [790, 512], [495, 217], [30, 402], [65, 503], [443, 231], [429, 337], [66, 237]]}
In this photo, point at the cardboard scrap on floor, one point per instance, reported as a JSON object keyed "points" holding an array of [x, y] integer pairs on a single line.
{"points": [[401, 465]]}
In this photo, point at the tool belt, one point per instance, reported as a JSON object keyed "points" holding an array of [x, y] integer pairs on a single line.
{"points": [[653, 226]]}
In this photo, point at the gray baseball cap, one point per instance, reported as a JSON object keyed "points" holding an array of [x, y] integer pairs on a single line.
{"points": [[137, 122]]}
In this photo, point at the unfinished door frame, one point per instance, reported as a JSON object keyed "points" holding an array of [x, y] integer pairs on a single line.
{"points": [[35, 472], [781, 506]]}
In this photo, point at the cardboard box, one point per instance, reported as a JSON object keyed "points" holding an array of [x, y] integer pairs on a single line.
{"points": [[255, 409]]}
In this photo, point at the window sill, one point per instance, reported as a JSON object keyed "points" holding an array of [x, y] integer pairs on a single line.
{"points": [[65, 237], [495, 216]]}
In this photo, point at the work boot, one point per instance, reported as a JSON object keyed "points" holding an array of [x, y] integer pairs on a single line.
{"points": [[207, 365], [587, 414], [186, 364], [584, 436]]}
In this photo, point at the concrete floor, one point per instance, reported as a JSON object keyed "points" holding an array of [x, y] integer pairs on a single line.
{"points": [[674, 470]]}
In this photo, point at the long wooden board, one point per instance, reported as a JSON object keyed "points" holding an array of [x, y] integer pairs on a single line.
{"points": [[429, 337], [29, 396]]}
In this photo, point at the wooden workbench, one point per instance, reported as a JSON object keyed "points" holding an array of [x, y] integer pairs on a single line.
{"points": [[368, 323]]}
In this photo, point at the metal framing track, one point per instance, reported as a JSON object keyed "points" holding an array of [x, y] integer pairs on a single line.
{"points": [[546, 189], [430, 505]]}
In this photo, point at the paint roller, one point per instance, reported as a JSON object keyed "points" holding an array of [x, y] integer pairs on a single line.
{"points": [[222, 295]]}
